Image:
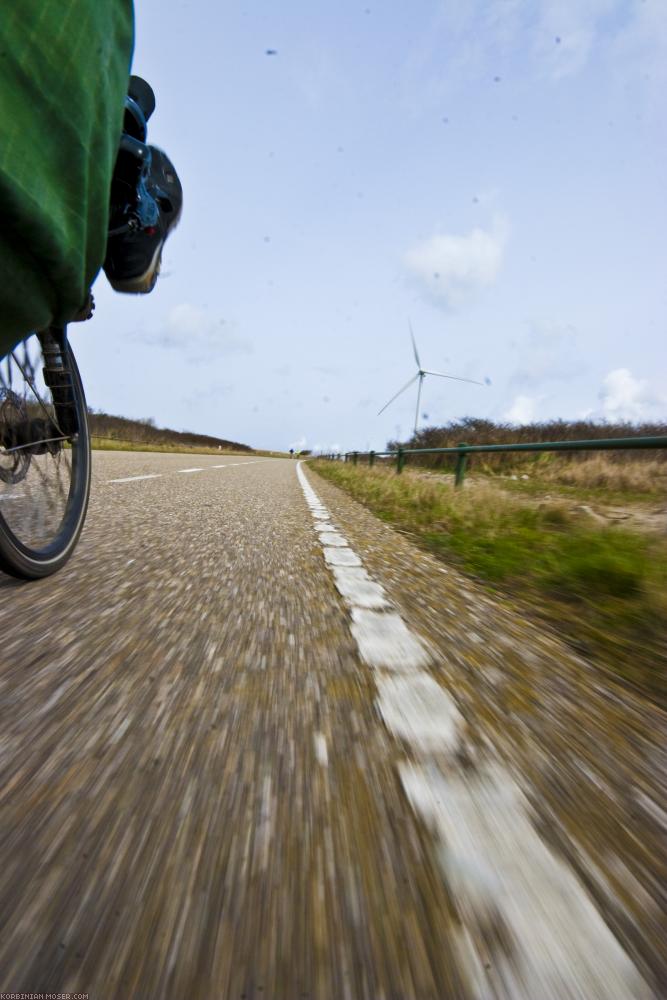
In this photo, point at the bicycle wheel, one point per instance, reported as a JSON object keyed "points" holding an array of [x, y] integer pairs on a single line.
{"points": [[44, 456]]}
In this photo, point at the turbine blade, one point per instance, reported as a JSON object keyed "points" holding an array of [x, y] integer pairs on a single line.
{"points": [[457, 378], [414, 346], [406, 386]]}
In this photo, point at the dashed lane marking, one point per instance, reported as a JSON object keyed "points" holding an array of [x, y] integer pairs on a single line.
{"points": [[492, 858], [135, 479], [383, 639], [341, 557], [321, 752], [333, 539], [204, 468], [417, 709], [356, 586]]}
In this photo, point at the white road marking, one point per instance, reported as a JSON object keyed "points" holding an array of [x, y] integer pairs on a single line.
{"points": [[502, 873], [383, 639], [385, 642], [496, 866], [321, 749], [333, 539], [416, 709], [354, 584], [205, 468], [135, 479], [341, 557]]}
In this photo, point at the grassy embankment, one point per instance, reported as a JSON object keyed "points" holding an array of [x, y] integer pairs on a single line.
{"points": [[112, 433], [605, 587], [104, 444]]}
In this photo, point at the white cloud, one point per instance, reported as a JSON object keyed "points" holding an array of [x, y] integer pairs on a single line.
{"points": [[522, 410], [625, 397], [621, 398], [199, 335], [452, 270]]}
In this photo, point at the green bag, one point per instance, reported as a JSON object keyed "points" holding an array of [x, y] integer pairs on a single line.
{"points": [[64, 71]]}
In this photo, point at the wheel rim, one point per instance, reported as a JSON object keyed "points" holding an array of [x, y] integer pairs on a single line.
{"points": [[42, 466]]}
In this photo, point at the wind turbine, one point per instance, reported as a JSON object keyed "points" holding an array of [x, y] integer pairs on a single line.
{"points": [[421, 375]]}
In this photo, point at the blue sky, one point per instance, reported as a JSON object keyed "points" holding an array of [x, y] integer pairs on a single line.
{"points": [[493, 173]]}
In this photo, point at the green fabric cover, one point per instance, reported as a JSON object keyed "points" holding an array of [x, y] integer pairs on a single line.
{"points": [[64, 71]]}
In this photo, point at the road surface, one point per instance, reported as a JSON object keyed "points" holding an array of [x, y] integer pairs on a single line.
{"points": [[254, 744]]}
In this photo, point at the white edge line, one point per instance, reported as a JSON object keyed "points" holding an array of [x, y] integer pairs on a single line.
{"points": [[382, 637], [417, 710]]}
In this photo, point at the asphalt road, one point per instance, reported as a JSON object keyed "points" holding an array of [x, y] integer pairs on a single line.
{"points": [[254, 744]]}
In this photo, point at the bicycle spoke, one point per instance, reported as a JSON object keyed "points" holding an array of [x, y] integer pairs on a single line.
{"points": [[35, 487], [29, 378], [44, 472]]}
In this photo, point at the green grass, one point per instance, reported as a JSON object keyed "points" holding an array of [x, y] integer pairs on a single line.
{"points": [[605, 588]]}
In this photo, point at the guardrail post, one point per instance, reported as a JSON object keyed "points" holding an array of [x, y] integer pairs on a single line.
{"points": [[371, 458], [400, 461], [461, 462]]}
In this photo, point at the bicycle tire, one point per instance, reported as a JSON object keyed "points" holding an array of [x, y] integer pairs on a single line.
{"points": [[27, 563]]}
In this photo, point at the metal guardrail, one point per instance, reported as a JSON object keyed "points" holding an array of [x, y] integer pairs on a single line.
{"points": [[461, 451]]}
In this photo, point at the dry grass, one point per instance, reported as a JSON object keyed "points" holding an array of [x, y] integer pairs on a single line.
{"points": [[600, 472], [637, 471], [118, 444]]}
